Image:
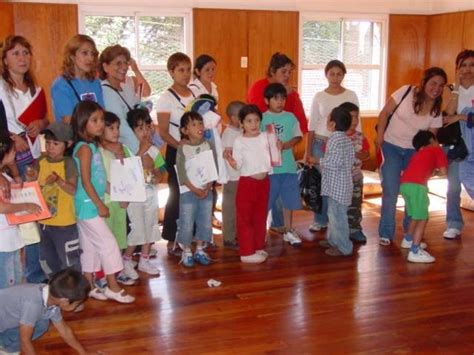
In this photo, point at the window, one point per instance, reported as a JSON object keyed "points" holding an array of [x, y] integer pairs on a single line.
{"points": [[151, 38], [356, 42]]}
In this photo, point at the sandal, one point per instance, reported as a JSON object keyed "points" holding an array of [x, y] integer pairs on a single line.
{"points": [[385, 242]]}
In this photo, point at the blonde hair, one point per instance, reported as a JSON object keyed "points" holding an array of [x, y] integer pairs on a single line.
{"points": [[108, 55], [70, 50]]}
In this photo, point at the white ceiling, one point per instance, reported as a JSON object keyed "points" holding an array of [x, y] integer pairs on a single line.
{"points": [[345, 6]]}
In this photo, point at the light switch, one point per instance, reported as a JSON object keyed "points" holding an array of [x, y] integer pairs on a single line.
{"points": [[244, 62]]}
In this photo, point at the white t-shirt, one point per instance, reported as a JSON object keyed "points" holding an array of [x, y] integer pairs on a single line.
{"points": [[228, 138], [405, 123], [198, 89], [167, 103], [323, 104], [465, 99], [252, 155]]}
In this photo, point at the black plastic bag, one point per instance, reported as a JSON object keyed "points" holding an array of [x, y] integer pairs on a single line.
{"points": [[310, 187]]}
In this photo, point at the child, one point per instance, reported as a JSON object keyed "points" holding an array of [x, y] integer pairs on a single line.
{"points": [[144, 215], [195, 205], [25, 311], [336, 182], [361, 148], [99, 247], [251, 156], [10, 241], [232, 131], [283, 181], [429, 157], [57, 176]]}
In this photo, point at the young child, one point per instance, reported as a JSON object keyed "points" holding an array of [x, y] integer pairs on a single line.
{"points": [[99, 247], [229, 136], [195, 205], [57, 176], [336, 182], [10, 241], [284, 180], [251, 156], [428, 158], [144, 215], [361, 149], [25, 311]]}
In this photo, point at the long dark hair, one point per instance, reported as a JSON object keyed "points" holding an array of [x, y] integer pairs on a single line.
{"points": [[420, 96], [463, 55], [6, 145], [278, 60], [80, 116]]}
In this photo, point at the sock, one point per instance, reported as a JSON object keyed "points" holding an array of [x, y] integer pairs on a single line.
{"points": [[408, 238], [414, 248]]}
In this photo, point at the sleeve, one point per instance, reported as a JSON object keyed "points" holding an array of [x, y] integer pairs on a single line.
{"points": [[297, 128], [164, 104], [397, 95], [99, 94], [31, 312], [298, 111], [315, 115], [63, 99], [70, 168], [354, 99], [365, 145], [56, 315], [441, 159], [181, 166], [255, 95], [237, 153], [226, 141]]}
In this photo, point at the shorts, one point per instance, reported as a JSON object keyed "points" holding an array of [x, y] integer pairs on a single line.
{"points": [[286, 187], [416, 200]]}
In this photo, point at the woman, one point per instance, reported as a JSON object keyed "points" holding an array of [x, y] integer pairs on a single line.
{"points": [[78, 80], [460, 101], [322, 105], [122, 92], [204, 75], [420, 110]]}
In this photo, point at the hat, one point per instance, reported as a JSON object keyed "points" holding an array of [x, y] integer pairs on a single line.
{"points": [[62, 131]]}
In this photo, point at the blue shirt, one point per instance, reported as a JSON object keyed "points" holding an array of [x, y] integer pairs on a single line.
{"points": [[65, 99]]}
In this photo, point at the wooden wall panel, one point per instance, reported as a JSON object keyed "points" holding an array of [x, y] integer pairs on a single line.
{"points": [[6, 23], [468, 30], [47, 27], [270, 32]]}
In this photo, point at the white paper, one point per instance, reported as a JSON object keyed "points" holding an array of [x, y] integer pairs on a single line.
{"points": [[275, 153], [127, 182], [200, 169]]}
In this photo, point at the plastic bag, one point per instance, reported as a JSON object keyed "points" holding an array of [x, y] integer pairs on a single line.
{"points": [[310, 187]]}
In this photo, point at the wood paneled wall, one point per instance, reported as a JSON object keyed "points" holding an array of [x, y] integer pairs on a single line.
{"points": [[6, 23]]}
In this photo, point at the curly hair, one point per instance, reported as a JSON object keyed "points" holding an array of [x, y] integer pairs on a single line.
{"points": [[70, 50], [419, 96]]}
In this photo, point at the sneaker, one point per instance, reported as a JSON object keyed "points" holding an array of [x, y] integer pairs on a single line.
{"points": [[119, 296], [262, 252], [97, 294], [406, 244], [187, 259], [202, 258], [129, 270], [134, 263], [175, 251], [124, 279], [325, 244], [153, 253], [292, 238], [253, 259], [385, 242], [422, 256], [358, 237], [101, 283], [451, 233], [147, 266], [333, 252], [316, 227]]}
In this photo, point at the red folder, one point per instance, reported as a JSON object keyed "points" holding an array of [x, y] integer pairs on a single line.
{"points": [[36, 110]]}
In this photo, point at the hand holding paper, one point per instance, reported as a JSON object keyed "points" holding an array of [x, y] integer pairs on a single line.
{"points": [[275, 148]]}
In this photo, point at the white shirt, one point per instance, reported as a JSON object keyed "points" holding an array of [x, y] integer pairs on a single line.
{"points": [[228, 138], [198, 88], [167, 103], [15, 103], [252, 155], [465, 99]]}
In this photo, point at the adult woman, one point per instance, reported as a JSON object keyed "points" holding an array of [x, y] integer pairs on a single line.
{"points": [[122, 92], [420, 110], [460, 101], [78, 79], [204, 75], [322, 105]]}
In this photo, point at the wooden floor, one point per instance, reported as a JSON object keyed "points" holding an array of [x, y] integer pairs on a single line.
{"points": [[299, 301]]}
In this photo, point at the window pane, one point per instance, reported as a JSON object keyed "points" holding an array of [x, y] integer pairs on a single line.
{"points": [[159, 81], [312, 82], [366, 83], [159, 38], [110, 30], [362, 42], [321, 41]]}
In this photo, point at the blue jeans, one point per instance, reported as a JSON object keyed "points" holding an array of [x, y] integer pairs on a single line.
{"points": [[33, 271], [453, 198], [317, 151], [396, 160], [10, 269], [338, 229], [193, 210], [10, 338], [277, 219]]}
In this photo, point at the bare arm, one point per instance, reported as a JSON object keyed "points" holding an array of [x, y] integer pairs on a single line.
{"points": [[139, 79], [310, 160], [164, 127], [291, 143], [68, 336], [26, 346], [7, 207], [383, 120]]}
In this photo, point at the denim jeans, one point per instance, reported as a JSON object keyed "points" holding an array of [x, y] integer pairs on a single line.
{"points": [[453, 198], [395, 160], [317, 151], [10, 269], [277, 219], [10, 338], [193, 210], [338, 228], [33, 271]]}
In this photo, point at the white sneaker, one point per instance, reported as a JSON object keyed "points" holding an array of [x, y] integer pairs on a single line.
{"points": [[262, 252], [118, 296], [97, 294], [451, 233], [316, 227], [421, 257], [253, 259], [292, 238], [146, 265], [407, 244], [129, 270]]}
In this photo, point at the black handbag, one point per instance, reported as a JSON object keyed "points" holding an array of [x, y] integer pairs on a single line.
{"points": [[457, 152], [310, 187]]}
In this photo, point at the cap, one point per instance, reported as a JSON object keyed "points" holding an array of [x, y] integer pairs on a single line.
{"points": [[62, 131]]}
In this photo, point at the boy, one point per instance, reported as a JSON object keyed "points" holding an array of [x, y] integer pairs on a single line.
{"points": [[361, 149], [283, 180], [336, 184], [429, 157], [59, 244], [232, 131], [25, 311]]}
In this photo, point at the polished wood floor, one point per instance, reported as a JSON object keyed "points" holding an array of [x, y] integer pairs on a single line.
{"points": [[299, 301]]}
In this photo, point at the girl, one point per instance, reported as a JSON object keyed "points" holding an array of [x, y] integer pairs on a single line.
{"points": [[78, 80], [170, 107], [251, 155], [204, 75], [97, 241], [10, 242], [195, 205]]}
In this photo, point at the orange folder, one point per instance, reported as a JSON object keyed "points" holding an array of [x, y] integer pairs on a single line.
{"points": [[29, 192]]}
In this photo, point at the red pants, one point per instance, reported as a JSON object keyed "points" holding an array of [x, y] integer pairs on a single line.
{"points": [[252, 209]]}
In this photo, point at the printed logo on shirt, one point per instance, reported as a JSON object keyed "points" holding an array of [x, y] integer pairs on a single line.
{"points": [[279, 129], [89, 96]]}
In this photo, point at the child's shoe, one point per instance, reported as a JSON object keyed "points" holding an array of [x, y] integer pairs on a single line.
{"points": [[451, 233], [124, 279], [253, 259], [201, 257], [406, 244], [97, 294], [187, 258], [129, 270], [292, 237], [118, 296], [262, 252], [358, 237], [145, 265], [422, 256], [316, 227]]}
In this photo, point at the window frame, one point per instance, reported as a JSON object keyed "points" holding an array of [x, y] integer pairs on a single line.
{"points": [[382, 18]]}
